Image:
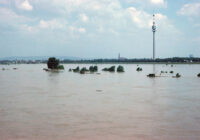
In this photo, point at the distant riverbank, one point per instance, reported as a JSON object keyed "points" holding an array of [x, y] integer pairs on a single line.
{"points": [[168, 63]]}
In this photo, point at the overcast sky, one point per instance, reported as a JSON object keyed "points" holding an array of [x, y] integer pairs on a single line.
{"points": [[99, 28]]}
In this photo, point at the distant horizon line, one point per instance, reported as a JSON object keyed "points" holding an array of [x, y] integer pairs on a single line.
{"points": [[80, 58]]}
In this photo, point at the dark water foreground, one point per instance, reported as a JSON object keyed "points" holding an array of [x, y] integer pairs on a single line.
{"points": [[39, 105]]}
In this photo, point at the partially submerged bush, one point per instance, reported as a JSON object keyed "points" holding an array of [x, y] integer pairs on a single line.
{"points": [[76, 69], [171, 72], [139, 69], [83, 70], [198, 75], [111, 69], [53, 63], [151, 75], [120, 68], [70, 69], [61, 67], [93, 68], [178, 75]]}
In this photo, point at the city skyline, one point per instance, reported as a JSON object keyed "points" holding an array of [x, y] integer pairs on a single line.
{"points": [[99, 28]]}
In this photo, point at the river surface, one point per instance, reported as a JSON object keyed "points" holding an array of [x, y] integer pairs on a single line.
{"points": [[40, 105]]}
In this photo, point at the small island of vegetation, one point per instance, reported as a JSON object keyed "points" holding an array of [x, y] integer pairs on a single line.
{"points": [[53, 64]]}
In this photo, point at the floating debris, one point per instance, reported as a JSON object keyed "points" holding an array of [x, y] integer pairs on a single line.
{"points": [[45, 69], [98, 90], [177, 76]]}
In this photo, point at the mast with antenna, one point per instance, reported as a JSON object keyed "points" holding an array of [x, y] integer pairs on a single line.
{"points": [[154, 32]]}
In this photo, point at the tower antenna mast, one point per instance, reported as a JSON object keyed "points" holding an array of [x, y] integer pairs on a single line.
{"points": [[154, 32]]}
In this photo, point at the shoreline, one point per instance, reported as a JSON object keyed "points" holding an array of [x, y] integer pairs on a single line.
{"points": [[169, 63]]}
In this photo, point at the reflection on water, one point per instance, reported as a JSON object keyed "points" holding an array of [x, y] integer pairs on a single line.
{"points": [[39, 105]]}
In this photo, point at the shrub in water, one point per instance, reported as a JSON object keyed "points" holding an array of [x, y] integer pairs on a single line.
{"points": [[76, 69], [53, 63], [111, 69], [178, 75], [83, 70], [139, 69], [61, 67], [120, 68], [151, 75], [93, 68]]}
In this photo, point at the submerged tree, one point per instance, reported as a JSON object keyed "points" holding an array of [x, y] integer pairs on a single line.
{"points": [[76, 69], [53, 63], [93, 68], [83, 70], [120, 68], [111, 69]]}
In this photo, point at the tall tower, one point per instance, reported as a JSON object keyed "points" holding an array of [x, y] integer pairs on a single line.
{"points": [[154, 41]]}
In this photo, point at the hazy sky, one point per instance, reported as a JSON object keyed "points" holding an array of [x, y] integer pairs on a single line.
{"points": [[99, 28]]}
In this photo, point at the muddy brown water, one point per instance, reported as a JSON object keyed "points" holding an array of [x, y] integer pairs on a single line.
{"points": [[39, 105]]}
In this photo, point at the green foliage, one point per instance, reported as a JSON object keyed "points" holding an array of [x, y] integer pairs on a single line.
{"points": [[120, 68], [93, 68], [139, 69], [53, 63], [61, 67], [178, 75], [83, 70], [111, 69], [76, 69]]}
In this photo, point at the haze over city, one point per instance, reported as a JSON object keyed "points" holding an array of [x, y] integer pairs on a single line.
{"points": [[99, 28]]}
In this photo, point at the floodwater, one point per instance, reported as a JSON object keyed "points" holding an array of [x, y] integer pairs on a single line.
{"points": [[39, 105]]}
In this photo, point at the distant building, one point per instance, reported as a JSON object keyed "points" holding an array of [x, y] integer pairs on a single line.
{"points": [[121, 58]]}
